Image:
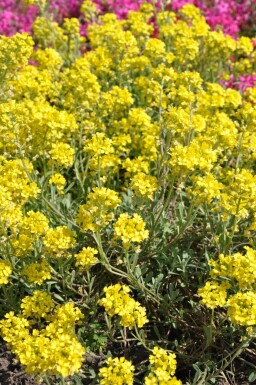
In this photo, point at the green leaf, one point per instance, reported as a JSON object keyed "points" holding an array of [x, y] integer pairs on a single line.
{"points": [[57, 296], [252, 377]]}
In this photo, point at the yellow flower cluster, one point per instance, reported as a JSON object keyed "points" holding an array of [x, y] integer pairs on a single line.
{"points": [[130, 229], [37, 272], [15, 189], [117, 301], [38, 305], [144, 185], [79, 87], [5, 271], [242, 308], [14, 54], [206, 189], [136, 165], [214, 294], [101, 148], [89, 9], [34, 223], [99, 145], [241, 199], [59, 181], [98, 210], [27, 231], [64, 39], [118, 371], [52, 350], [63, 154], [48, 59], [64, 318], [197, 155], [115, 102], [163, 367], [240, 267], [240, 270], [57, 242], [86, 258], [35, 127]]}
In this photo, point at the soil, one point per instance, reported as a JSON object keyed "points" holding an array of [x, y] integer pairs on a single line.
{"points": [[11, 372]]}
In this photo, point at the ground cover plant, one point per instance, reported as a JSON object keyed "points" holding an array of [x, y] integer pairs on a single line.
{"points": [[128, 199], [233, 17]]}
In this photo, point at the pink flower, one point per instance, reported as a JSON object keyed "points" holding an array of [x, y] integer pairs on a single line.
{"points": [[241, 83]]}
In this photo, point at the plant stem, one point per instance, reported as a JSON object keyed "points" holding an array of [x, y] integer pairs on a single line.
{"points": [[46, 380]]}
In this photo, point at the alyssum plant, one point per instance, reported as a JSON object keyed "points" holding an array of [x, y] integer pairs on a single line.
{"points": [[127, 200]]}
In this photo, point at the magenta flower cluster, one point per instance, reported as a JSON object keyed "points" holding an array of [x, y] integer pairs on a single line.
{"points": [[120, 7], [15, 16], [241, 83]]}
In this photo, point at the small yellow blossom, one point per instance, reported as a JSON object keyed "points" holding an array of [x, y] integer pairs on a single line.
{"points": [[242, 308], [98, 210], [130, 229], [86, 258], [144, 185], [63, 154], [58, 241], [37, 272], [5, 271], [118, 371], [240, 267], [38, 305], [118, 302], [59, 182], [214, 294]]}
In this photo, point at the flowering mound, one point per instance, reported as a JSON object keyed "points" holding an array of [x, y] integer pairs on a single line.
{"points": [[128, 198]]}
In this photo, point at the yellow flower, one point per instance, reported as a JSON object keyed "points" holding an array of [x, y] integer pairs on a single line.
{"points": [[63, 154], [89, 9], [144, 185], [118, 371], [118, 302], [214, 294], [98, 210], [130, 229], [240, 267], [5, 271], [161, 359], [53, 350], [163, 367], [38, 305], [242, 308], [34, 223], [59, 182], [58, 241], [98, 145], [85, 258], [37, 272]]}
